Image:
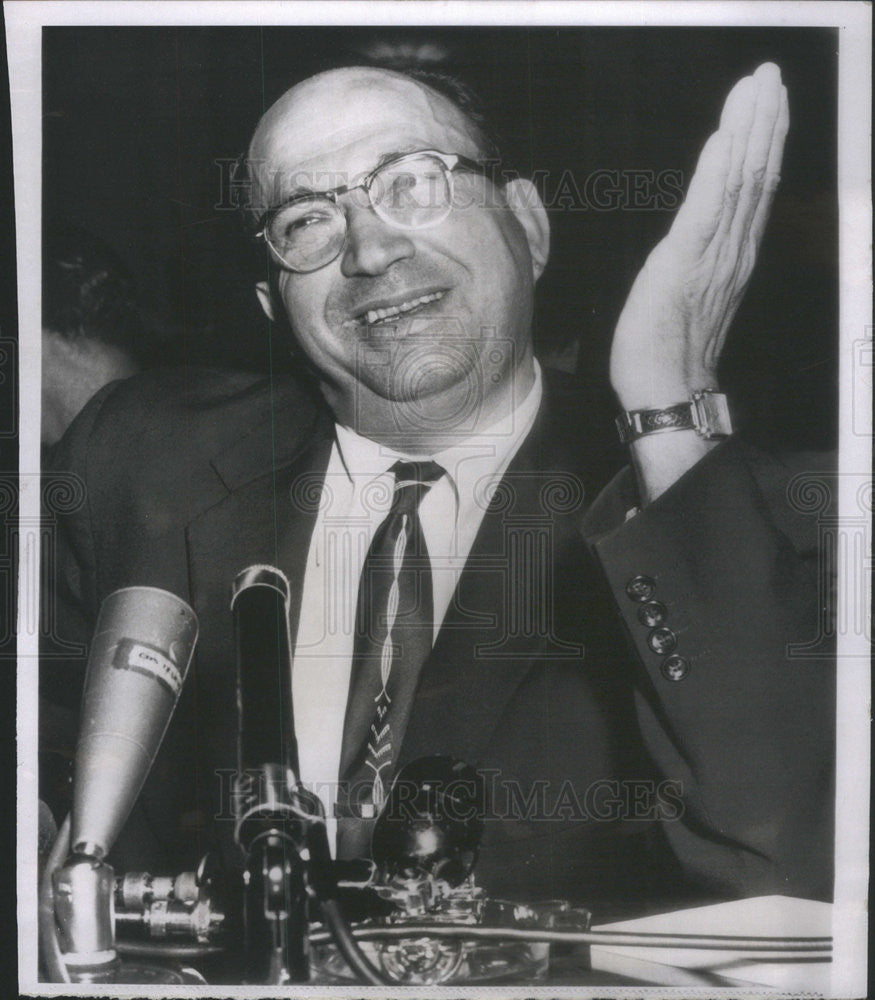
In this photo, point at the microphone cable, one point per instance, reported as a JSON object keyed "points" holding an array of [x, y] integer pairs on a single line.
{"points": [[324, 886]]}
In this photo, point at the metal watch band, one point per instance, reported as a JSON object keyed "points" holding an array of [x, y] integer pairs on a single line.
{"points": [[707, 413]]}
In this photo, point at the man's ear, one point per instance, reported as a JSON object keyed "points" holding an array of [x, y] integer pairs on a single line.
{"points": [[525, 203], [262, 290]]}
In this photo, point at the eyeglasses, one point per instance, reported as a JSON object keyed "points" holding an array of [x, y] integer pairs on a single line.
{"points": [[412, 191]]}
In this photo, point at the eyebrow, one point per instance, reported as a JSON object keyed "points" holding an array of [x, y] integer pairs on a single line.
{"points": [[302, 192], [410, 148]]}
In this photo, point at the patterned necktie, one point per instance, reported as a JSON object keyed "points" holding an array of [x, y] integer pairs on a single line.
{"points": [[393, 637]]}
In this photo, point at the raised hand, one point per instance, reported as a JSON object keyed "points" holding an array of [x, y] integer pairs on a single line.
{"points": [[673, 327]]}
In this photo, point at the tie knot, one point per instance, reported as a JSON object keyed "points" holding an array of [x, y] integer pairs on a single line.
{"points": [[412, 481]]}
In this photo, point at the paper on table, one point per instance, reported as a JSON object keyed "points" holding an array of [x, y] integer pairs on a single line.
{"points": [[764, 915]]}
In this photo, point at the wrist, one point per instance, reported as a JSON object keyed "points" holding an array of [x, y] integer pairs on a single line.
{"points": [[705, 412], [661, 459]]}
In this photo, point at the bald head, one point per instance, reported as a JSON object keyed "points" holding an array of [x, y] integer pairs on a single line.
{"points": [[336, 125]]}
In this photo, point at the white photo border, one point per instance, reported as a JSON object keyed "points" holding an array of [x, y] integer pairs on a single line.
{"points": [[24, 23]]}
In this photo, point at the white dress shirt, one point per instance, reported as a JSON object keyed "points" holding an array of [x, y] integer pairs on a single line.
{"points": [[355, 499]]}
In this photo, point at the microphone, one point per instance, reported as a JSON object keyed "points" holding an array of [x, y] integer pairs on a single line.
{"points": [[280, 823], [139, 657], [273, 811], [268, 766]]}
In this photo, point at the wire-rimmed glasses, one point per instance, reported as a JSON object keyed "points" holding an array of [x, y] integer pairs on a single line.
{"points": [[410, 191]]}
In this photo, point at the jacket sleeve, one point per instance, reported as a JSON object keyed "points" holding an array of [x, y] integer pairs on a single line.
{"points": [[69, 580], [719, 585], [67, 605]]}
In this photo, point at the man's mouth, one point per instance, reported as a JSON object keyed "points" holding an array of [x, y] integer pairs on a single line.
{"points": [[389, 314]]}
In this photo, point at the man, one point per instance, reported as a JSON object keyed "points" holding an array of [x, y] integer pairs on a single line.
{"points": [[629, 702]]}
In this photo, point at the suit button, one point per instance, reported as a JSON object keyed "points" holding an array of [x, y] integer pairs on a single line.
{"points": [[675, 668], [640, 588], [662, 640], [652, 613]]}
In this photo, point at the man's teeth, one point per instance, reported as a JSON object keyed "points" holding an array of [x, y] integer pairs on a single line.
{"points": [[390, 312]]}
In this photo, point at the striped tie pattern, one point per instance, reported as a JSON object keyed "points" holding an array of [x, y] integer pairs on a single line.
{"points": [[394, 630]]}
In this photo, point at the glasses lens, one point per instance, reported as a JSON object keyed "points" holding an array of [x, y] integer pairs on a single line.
{"points": [[308, 233], [413, 192]]}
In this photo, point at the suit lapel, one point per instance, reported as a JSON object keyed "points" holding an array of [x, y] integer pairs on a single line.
{"points": [[499, 623], [267, 520]]}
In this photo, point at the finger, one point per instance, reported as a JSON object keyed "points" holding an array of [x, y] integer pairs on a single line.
{"points": [[736, 123], [767, 111], [699, 215], [740, 116], [773, 173], [759, 149], [716, 181], [739, 94]]}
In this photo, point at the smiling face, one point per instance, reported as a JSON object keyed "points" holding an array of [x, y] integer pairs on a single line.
{"points": [[403, 321]]}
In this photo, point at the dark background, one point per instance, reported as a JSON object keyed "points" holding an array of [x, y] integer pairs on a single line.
{"points": [[136, 118]]}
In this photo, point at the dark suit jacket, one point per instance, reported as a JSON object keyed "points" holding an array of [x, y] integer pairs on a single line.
{"points": [[607, 782]]}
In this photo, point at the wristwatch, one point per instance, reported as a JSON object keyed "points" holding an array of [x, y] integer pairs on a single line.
{"points": [[706, 413]]}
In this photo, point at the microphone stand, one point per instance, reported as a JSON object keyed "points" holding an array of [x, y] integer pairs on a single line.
{"points": [[275, 919], [280, 823], [273, 811]]}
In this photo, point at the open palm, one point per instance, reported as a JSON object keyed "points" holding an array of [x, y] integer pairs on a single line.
{"points": [[673, 326]]}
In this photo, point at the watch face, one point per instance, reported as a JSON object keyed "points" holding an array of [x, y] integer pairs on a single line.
{"points": [[711, 414]]}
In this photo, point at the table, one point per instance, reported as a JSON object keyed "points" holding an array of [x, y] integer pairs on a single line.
{"points": [[763, 915]]}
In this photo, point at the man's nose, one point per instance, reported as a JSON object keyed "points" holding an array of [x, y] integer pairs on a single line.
{"points": [[372, 246]]}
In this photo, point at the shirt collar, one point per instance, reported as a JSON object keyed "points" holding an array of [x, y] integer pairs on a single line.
{"points": [[362, 458], [466, 463]]}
